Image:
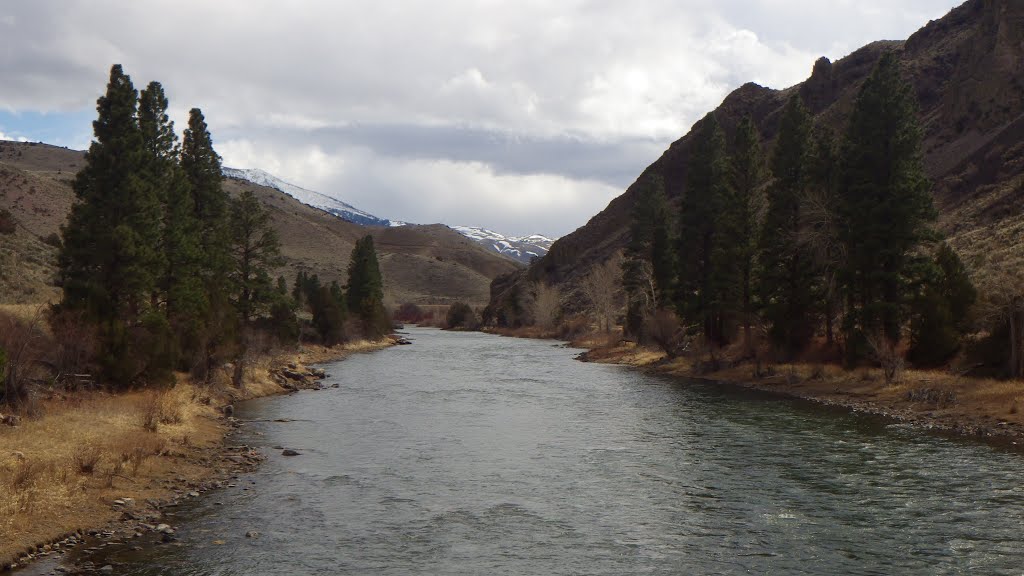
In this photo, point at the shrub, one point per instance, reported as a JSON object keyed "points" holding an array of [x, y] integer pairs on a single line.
{"points": [[664, 329], [409, 313], [7, 222], [86, 459], [461, 315], [53, 239]]}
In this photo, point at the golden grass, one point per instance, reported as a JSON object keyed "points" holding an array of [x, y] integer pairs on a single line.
{"points": [[61, 471]]}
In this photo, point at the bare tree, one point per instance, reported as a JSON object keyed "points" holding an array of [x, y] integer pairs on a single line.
{"points": [[546, 305], [23, 342], [601, 286]]}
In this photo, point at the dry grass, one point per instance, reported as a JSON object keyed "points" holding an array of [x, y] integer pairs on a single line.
{"points": [[923, 395], [60, 472]]}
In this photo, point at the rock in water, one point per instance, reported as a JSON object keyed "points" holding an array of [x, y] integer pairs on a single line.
{"points": [[290, 452]]}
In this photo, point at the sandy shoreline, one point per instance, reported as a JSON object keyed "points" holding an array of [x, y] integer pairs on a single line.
{"points": [[98, 469]]}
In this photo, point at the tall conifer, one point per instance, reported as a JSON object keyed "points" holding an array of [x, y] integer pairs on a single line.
{"points": [[884, 204], [747, 176], [365, 290], [109, 259], [707, 271], [786, 270]]}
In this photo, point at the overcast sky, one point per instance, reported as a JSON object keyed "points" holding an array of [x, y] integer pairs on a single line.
{"points": [[521, 116]]}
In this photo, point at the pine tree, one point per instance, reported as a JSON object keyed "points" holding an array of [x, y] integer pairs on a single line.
{"points": [[648, 270], [365, 291], [179, 287], [820, 229], [707, 270], [786, 272], [329, 314], [747, 176], [884, 204], [202, 167], [255, 251], [110, 254], [940, 309], [298, 290]]}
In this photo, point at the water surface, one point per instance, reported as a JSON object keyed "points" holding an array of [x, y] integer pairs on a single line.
{"points": [[474, 454]]}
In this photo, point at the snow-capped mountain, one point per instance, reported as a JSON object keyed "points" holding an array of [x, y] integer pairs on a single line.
{"points": [[522, 248], [310, 198]]}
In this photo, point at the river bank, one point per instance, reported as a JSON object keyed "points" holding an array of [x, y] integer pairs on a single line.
{"points": [[974, 407], [92, 463], [988, 409]]}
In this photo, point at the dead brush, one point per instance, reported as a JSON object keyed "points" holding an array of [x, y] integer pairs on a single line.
{"points": [[135, 456], [25, 474], [160, 408], [86, 459]]}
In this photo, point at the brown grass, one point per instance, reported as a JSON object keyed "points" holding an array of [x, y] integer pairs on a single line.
{"points": [[60, 472], [932, 396]]}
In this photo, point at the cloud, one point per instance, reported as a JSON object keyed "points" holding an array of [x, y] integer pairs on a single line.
{"points": [[562, 96]]}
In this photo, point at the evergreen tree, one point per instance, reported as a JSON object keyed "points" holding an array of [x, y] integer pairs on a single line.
{"points": [[648, 270], [365, 292], [707, 270], [255, 251], [786, 271], [179, 286], [820, 229], [884, 205], [329, 314], [940, 311], [202, 167], [298, 289], [747, 176], [110, 255]]}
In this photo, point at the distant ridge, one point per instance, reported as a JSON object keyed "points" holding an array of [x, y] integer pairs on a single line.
{"points": [[309, 197], [521, 248]]}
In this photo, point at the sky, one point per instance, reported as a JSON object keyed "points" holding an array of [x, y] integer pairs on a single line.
{"points": [[523, 116]]}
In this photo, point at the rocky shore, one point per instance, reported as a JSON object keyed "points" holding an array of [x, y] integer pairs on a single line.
{"points": [[942, 402], [139, 511]]}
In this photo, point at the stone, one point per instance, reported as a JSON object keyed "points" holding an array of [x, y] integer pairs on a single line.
{"points": [[108, 569], [252, 534], [290, 452]]}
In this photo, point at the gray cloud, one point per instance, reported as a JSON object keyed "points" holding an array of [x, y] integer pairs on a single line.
{"points": [[570, 98]]}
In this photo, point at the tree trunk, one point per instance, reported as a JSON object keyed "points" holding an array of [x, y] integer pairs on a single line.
{"points": [[1016, 338]]}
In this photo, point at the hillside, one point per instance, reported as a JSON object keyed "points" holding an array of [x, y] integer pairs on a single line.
{"points": [[422, 264], [967, 73], [520, 248]]}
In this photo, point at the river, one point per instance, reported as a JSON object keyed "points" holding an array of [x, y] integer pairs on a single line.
{"points": [[475, 454]]}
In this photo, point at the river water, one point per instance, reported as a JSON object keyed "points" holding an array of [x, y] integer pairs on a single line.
{"points": [[474, 454]]}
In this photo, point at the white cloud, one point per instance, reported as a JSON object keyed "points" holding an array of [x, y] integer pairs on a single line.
{"points": [[268, 74], [8, 138]]}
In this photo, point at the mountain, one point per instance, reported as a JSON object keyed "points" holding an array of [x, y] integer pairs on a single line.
{"points": [[522, 248], [966, 71], [420, 264], [309, 197]]}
